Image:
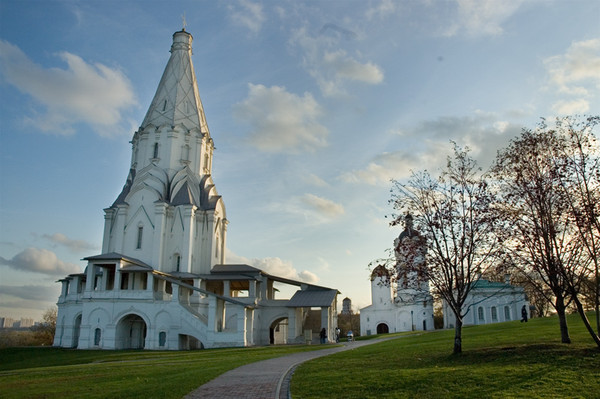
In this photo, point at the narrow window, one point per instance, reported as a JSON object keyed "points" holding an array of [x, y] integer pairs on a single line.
{"points": [[162, 338], [506, 313], [139, 237], [494, 314], [178, 262], [155, 150], [480, 313], [165, 106], [97, 336]]}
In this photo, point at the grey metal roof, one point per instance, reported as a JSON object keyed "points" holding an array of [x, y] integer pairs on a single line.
{"points": [[312, 298], [117, 256], [136, 268], [240, 268], [227, 276]]}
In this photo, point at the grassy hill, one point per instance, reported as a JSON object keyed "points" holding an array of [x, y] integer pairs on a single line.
{"points": [[503, 360]]}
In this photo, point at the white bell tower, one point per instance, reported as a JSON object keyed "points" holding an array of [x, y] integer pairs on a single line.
{"points": [[169, 214]]}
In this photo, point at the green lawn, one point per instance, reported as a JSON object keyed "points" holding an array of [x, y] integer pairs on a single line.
{"points": [[506, 360], [62, 373]]}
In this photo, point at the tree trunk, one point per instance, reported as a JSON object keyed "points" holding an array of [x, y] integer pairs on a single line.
{"points": [[562, 319], [458, 336], [589, 327]]}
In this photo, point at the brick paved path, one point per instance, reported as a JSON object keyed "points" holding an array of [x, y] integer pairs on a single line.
{"points": [[267, 379]]}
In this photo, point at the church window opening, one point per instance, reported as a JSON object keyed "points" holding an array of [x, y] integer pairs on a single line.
{"points": [[162, 338], [480, 313], [177, 262], [139, 237], [494, 314], [97, 336], [155, 155], [506, 313], [124, 281], [164, 105]]}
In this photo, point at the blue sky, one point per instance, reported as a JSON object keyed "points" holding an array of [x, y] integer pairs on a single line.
{"points": [[313, 107]]}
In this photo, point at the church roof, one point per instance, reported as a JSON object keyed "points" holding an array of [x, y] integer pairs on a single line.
{"points": [[312, 297], [484, 284], [117, 256], [380, 271], [177, 101]]}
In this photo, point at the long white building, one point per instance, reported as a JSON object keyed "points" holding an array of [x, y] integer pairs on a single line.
{"points": [[161, 281]]}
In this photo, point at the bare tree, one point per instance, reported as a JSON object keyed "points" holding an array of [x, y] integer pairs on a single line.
{"points": [[453, 214], [44, 332], [536, 204], [578, 165]]}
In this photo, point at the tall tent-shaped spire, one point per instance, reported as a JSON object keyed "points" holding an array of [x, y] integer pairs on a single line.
{"points": [[169, 213], [177, 101]]}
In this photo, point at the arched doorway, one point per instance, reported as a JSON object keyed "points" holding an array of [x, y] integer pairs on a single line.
{"points": [[188, 342], [76, 330], [382, 328], [278, 331], [131, 332]]}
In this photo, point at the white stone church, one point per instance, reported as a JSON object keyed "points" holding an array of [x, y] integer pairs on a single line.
{"points": [[161, 281], [411, 308]]}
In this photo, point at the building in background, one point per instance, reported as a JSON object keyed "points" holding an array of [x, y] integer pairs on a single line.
{"points": [[410, 308], [346, 306], [490, 302]]}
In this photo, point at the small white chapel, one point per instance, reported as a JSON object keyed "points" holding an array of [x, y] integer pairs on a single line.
{"points": [[162, 281], [411, 308]]}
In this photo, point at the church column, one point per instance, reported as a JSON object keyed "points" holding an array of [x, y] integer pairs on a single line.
{"points": [[108, 219], [150, 283], [119, 229], [325, 321], [189, 212], [249, 326], [175, 291], [252, 288], [117, 286], [160, 217], [223, 242], [89, 282]]}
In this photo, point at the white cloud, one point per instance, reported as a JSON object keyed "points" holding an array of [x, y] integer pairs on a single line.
{"points": [[481, 17], [483, 133], [90, 93], [32, 292], [579, 106], [345, 67], [314, 180], [40, 261], [332, 67], [576, 74], [281, 121], [274, 266], [72, 245], [323, 206], [248, 15], [309, 209], [381, 10]]}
